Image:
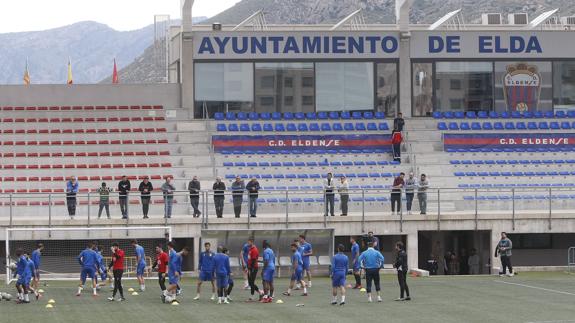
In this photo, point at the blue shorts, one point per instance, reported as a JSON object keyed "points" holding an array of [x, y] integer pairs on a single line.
{"points": [[356, 266], [24, 280], [141, 268], [338, 279], [173, 279], [306, 263], [206, 276], [222, 281], [268, 275], [87, 272], [297, 275]]}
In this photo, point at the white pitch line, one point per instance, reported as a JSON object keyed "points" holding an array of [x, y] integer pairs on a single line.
{"points": [[560, 321], [535, 287]]}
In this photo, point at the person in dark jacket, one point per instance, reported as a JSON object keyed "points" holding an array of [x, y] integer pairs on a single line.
{"points": [[253, 188], [219, 189], [123, 190], [398, 122], [401, 266], [396, 139], [238, 188], [145, 189], [194, 188], [72, 187]]}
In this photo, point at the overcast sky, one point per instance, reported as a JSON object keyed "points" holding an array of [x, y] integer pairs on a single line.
{"points": [[28, 15]]}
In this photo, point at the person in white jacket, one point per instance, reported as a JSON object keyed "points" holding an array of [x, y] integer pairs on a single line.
{"points": [[343, 195], [329, 197]]}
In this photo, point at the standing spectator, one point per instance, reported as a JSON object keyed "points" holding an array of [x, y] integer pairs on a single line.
{"points": [[373, 239], [473, 262], [194, 188], [396, 139], [145, 189], [168, 189], [409, 192], [328, 187], [398, 184], [398, 122], [463, 262], [344, 195], [453, 264], [219, 189], [104, 193], [253, 188], [422, 194], [504, 248], [72, 187], [238, 188], [124, 189], [401, 266]]}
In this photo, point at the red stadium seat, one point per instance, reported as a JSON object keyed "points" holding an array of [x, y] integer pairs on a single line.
{"points": [[92, 166], [164, 153], [158, 107], [90, 130]]}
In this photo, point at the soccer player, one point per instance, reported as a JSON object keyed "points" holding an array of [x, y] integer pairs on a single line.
{"points": [[339, 265], [117, 265], [161, 265], [206, 269], [244, 259], [230, 279], [29, 274], [306, 252], [23, 277], [268, 272], [141, 267], [503, 248], [297, 274], [36, 258], [174, 272], [89, 262], [101, 267], [372, 261], [222, 271], [253, 256], [355, 262], [401, 266]]}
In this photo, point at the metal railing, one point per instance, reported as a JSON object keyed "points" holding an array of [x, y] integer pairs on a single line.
{"points": [[287, 205], [571, 259]]}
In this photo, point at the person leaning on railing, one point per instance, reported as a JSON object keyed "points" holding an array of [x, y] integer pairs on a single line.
{"points": [[343, 195], [104, 193], [422, 187], [238, 188], [253, 187], [219, 189], [168, 189], [145, 189], [194, 188], [72, 187]]}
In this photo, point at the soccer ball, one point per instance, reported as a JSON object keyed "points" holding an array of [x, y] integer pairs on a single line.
{"points": [[5, 296], [170, 299], [12, 266]]}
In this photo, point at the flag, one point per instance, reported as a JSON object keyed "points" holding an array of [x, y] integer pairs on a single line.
{"points": [[26, 74], [115, 78], [70, 79]]}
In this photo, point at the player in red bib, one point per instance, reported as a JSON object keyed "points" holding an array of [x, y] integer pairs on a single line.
{"points": [[161, 265], [117, 265]]}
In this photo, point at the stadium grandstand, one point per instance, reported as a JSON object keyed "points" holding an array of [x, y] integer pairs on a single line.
{"points": [[488, 112]]}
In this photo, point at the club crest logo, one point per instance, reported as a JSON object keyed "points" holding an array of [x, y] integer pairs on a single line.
{"points": [[522, 87]]}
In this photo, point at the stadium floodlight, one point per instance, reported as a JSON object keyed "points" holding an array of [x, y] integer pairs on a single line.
{"points": [[542, 18], [63, 244]]}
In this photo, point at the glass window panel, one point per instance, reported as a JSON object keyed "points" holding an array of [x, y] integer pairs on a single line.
{"points": [[344, 86], [282, 87], [523, 86], [221, 87], [422, 87], [564, 85], [466, 86], [387, 96]]}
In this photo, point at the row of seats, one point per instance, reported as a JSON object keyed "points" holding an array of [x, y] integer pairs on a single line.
{"points": [[302, 127], [312, 176], [503, 115], [509, 174], [80, 178], [103, 119], [333, 115], [511, 149], [83, 142], [311, 163], [520, 197], [84, 108], [76, 131], [86, 154], [512, 162], [319, 188], [520, 125], [501, 185], [283, 200], [343, 150], [80, 202], [60, 190], [85, 166]]}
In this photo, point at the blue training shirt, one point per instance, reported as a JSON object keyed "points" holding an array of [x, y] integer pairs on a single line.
{"points": [[222, 264], [36, 256], [100, 261], [21, 265], [207, 261], [141, 254], [270, 257], [305, 248], [371, 259], [354, 252], [175, 263], [88, 258], [296, 258], [339, 263], [245, 252], [30, 267]]}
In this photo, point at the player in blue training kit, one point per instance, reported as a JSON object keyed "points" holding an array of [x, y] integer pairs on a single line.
{"points": [[174, 272], [222, 271], [30, 269], [102, 269], [297, 271], [355, 262], [206, 269], [244, 255], [268, 272], [230, 279], [306, 251], [339, 265], [141, 267], [88, 259], [23, 281], [36, 258]]}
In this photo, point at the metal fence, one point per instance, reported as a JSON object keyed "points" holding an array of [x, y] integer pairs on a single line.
{"points": [[571, 259]]}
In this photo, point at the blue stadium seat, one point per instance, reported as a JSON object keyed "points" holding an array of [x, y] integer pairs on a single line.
{"points": [[436, 115], [509, 126], [288, 115], [265, 116], [252, 164], [505, 115], [219, 116], [276, 116], [233, 127], [454, 162], [325, 126], [549, 114], [532, 126], [242, 116], [347, 163], [368, 115], [448, 115], [493, 114], [268, 127], [263, 164], [290, 176], [311, 164], [228, 164], [279, 127], [453, 126], [528, 114], [498, 125], [253, 116], [383, 126], [470, 115], [475, 126], [356, 115], [221, 127], [459, 115], [291, 127], [516, 114], [371, 126], [379, 115], [345, 115], [464, 126], [487, 126], [571, 114], [467, 162], [348, 126], [565, 125], [554, 125], [482, 115], [311, 116], [240, 164], [459, 174], [337, 127], [560, 114], [374, 175], [441, 125], [360, 126], [313, 126], [334, 115], [322, 115], [299, 116], [302, 127], [520, 125], [299, 164], [382, 162], [335, 163], [231, 116], [543, 125], [244, 127]]}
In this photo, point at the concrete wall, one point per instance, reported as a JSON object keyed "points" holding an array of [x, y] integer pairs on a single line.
{"points": [[167, 95]]}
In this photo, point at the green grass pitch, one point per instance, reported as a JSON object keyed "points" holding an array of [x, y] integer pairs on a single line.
{"points": [[528, 297]]}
